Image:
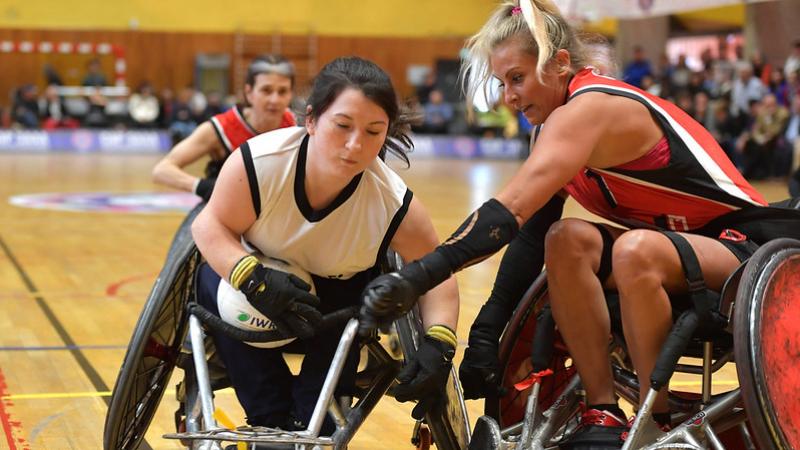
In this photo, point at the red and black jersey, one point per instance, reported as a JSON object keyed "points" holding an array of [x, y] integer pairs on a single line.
{"points": [[232, 128], [681, 184]]}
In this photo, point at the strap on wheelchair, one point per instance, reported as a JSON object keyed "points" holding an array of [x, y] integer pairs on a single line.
{"points": [[704, 300], [705, 310]]}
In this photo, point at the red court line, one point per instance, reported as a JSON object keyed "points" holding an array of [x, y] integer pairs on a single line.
{"points": [[5, 418], [113, 288]]}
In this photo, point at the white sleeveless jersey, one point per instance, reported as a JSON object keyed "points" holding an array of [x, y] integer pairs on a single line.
{"points": [[347, 237]]}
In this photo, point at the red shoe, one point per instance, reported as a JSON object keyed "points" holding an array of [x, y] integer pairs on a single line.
{"points": [[598, 429], [601, 418]]}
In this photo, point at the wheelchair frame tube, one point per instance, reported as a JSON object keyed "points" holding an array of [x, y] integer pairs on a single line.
{"points": [[687, 431], [326, 394], [201, 371]]}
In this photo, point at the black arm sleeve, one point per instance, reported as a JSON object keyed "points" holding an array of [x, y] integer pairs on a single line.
{"points": [[485, 232], [520, 266]]}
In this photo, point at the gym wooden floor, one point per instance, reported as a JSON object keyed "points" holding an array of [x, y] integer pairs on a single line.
{"points": [[72, 286]]}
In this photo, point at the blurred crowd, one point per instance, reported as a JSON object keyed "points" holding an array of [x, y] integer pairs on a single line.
{"points": [[750, 106], [143, 108]]}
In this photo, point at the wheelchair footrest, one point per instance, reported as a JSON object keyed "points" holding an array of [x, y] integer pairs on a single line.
{"points": [[260, 435]]}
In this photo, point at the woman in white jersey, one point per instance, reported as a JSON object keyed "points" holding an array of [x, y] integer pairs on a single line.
{"points": [[267, 92], [321, 198]]}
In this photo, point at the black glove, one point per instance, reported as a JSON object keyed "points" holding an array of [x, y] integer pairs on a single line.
{"points": [[386, 298], [479, 371], [205, 187], [425, 376], [284, 299]]}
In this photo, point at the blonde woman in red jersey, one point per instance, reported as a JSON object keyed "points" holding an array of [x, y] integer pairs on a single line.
{"points": [[623, 154], [268, 92]]}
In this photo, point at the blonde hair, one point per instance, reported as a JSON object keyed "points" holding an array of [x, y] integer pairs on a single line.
{"points": [[541, 29]]}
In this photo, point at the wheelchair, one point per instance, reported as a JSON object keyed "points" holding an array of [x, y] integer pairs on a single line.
{"points": [[760, 334], [160, 343]]}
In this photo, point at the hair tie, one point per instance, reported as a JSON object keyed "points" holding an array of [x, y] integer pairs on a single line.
{"points": [[516, 10]]}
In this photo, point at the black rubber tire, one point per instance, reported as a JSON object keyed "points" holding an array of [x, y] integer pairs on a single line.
{"points": [[154, 347]]}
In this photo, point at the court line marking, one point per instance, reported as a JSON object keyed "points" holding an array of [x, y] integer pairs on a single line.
{"points": [[81, 359], [86, 394], [5, 417], [113, 288], [84, 363], [23, 348]]}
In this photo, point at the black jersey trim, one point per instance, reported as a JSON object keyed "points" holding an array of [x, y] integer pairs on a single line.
{"points": [[300, 197], [252, 178], [703, 184], [394, 225], [240, 113], [226, 145]]}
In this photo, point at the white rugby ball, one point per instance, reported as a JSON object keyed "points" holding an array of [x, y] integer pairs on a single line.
{"points": [[235, 310]]}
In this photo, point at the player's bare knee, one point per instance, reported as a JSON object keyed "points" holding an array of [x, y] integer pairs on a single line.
{"points": [[569, 241], [634, 258]]}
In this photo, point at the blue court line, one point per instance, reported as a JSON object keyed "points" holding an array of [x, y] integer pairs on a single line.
{"points": [[63, 347]]}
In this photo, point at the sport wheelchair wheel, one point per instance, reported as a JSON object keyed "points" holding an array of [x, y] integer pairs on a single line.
{"points": [[155, 346], [767, 336], [515, 360]]}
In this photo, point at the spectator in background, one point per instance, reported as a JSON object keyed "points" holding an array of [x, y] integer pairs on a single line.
{"points": [[197, 105], [759, 150], [664, 77], [650, 86], [726, 129], [723, 68], [167, 106], [707, 59], [498, 121], [143, 106], [746, 88], [437, 113], [701, 110], [681, 74], [779, 87], [94, 74], [182, 125], [684, 101], [423, 91], [52, 111], [26, 108], [792, 63], [638, 68], [51, 75], [790, 146], [761, 69], [96, 117], [697, 83], [214, 105]]}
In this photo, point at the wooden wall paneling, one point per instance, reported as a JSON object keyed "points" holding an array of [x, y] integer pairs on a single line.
{"points": [[166, 59]]}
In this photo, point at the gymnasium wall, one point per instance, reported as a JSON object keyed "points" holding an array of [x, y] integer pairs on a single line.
{"points": [[161, 38], [420, 18]]}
